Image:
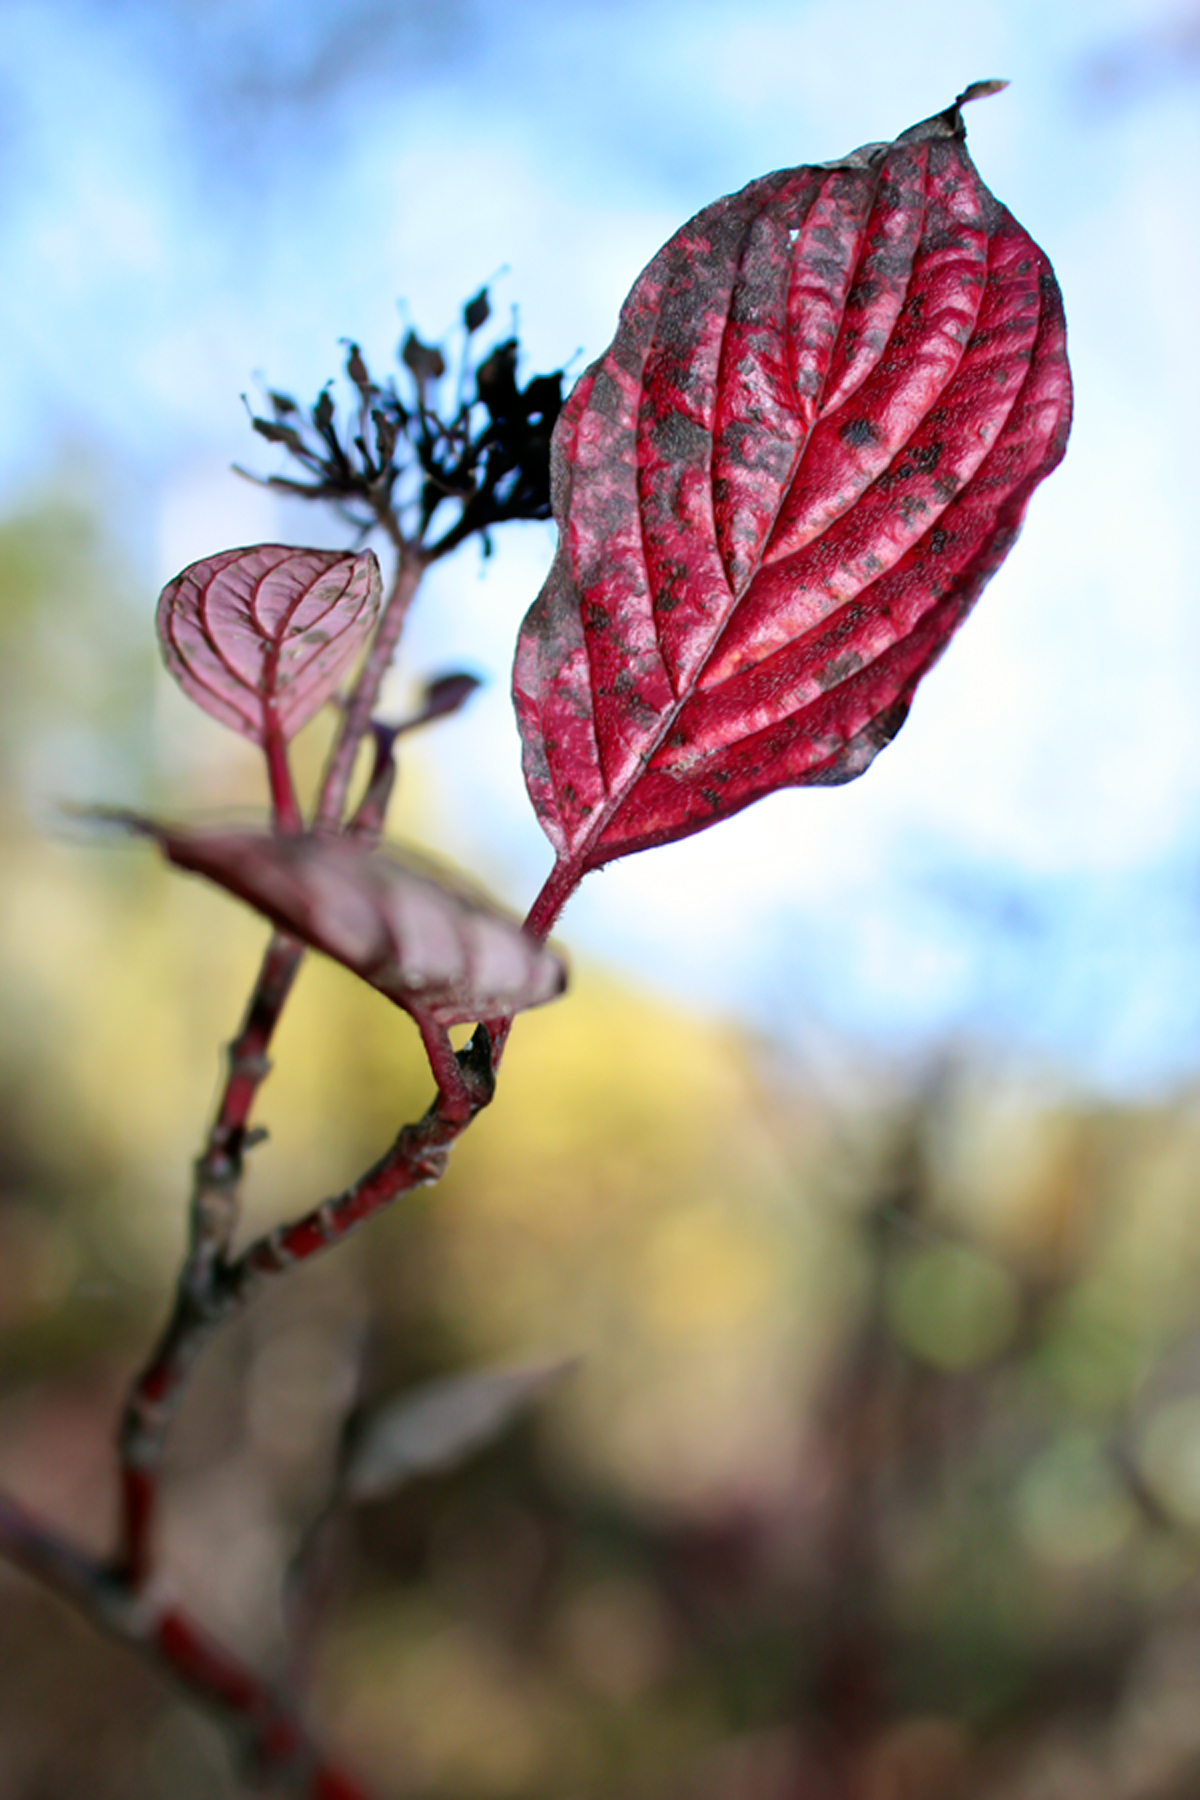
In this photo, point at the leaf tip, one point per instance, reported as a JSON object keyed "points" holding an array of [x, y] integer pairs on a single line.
{"points": [[980, 90], [949, 123], [114, 818]]}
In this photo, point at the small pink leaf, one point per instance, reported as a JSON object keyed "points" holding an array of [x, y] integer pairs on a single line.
{"points": [[443, 952], [261, 637], [778, 493]]}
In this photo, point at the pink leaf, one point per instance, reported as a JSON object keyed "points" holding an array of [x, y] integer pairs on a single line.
{"points": [[443, 952], [778, 493], [261, 637]]}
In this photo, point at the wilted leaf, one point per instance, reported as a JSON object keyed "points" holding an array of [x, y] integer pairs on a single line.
{"points": [[276, 433], [478, 311], [442, 952], [443, 696], [261, 637], [496, 381], [440, 1425], [811, 442], [386, 432], [358, 372], [425, 362]]}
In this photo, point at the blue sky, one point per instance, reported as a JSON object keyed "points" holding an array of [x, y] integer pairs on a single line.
{"points": [[193, 192]]}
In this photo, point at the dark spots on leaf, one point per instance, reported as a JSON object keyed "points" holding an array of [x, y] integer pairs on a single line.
{"points": [[594, 616], [665, 604], [605, 397], [892, 264], [843, 626], [679, 438], [857, 433], [938, 539], [863, 293], [926, 461], [946, 486], [711, 799], [636, 708], [1047, 286], [839, 668], [676, 739], [856, 757], [883, 729]]}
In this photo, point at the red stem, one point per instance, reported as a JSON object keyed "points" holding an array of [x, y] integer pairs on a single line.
{"points": [[454, 1095], [557, 889], [416, 1159], [168, 1637], [284, 805], [215, 1194], [248, 1065], [139, 1495], [357, 722], [211, 1287], [214, 1209]]}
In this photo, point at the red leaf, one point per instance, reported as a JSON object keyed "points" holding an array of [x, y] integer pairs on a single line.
{"points": [[261, 637], [443, 953], [811, 442]]}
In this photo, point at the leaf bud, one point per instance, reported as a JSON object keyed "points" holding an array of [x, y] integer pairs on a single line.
{"points": [[425, 362], [478, 311]]}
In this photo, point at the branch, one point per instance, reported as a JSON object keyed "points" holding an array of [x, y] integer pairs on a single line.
{"points": [[212, 1291], [417, 1159], [213, 1217], [216, 1191], [213, 1287], [171, 1640], [357, 721]]}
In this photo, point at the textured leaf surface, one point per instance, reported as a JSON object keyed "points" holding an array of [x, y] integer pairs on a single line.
{"points": [[810, 444], [440, 1425], [442, 953], [261, 637]]}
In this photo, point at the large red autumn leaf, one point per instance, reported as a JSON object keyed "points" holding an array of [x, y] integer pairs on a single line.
{"points": [[261, 637], [442, 951], [809, 445]]}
